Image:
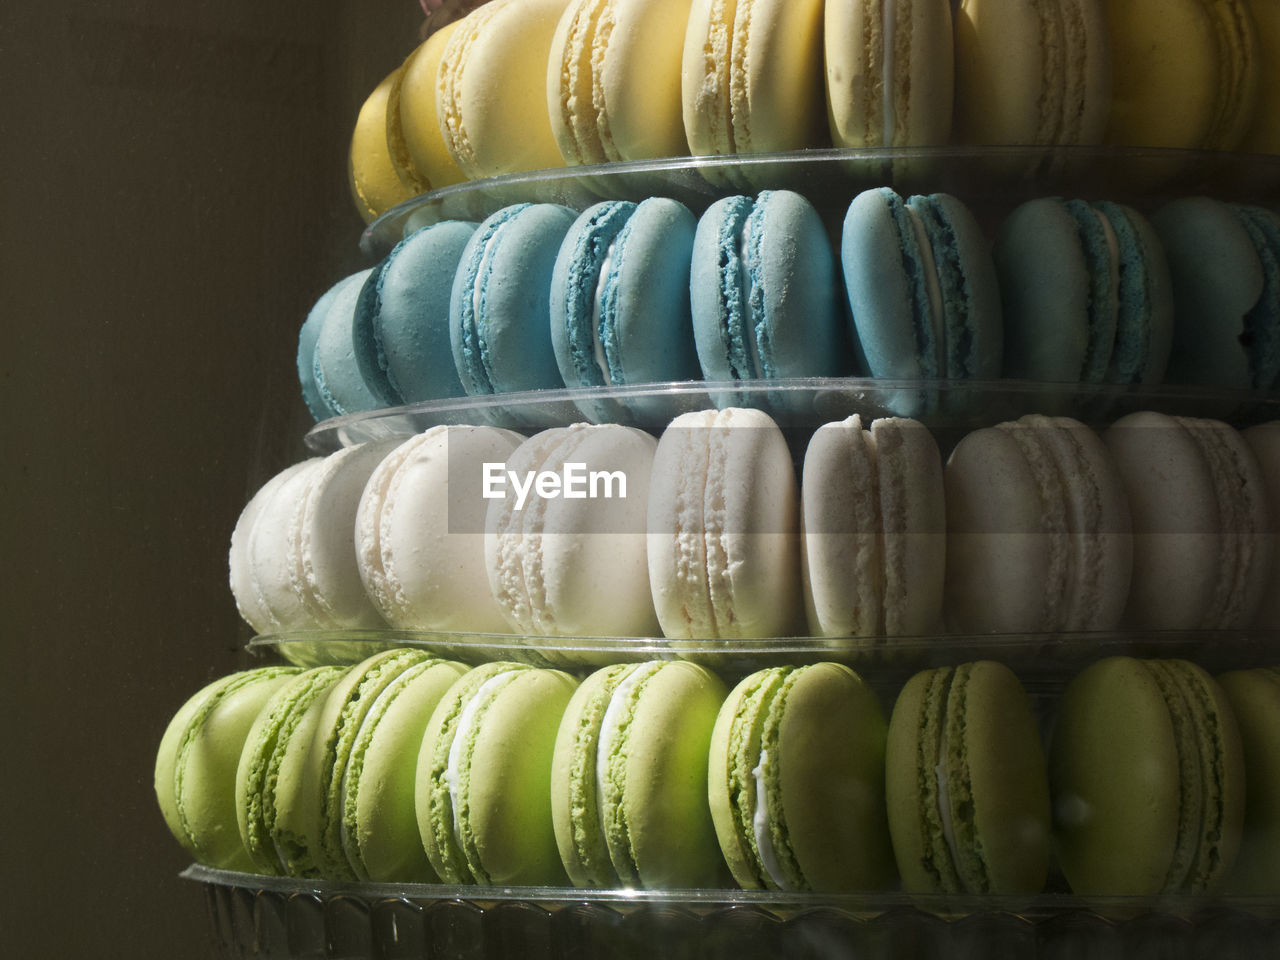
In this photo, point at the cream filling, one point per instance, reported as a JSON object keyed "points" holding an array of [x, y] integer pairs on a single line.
{"points": [[933, 287], [888, 119], [467, 721], [610, 725], [944, 796], [760, 825], [748, 310], [597, 313]]}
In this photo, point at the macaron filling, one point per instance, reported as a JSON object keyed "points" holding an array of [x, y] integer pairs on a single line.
{"points": [[888, 39], [934, 307], [761, 824], [598, 314]]}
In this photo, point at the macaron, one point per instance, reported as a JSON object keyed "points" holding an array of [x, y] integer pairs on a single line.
{"points": [[723, 527], [874, 529], [569, 559], [763, 291], [629, 778], [620, 301], [1254, 696], [401, 320], [309, 809], [292, 559], [195, 771], [1186, 73], [1085, 292], [796, 781], [965, 784], [413, 122], [1148, 780], [317, 406], [335, 361], [1225, 264], [491, 88], [1264, 442], [1263, 134], [1203, 535], [1038, 530], [265, 747], [922, 288], [890, 72], [499, 309], [613, 80], [483, 793], [1032, 73], [419, 530], [371, 174], [751, 76]]}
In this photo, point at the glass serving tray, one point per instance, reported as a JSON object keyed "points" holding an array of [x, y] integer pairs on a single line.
{"points": [[993, 178], [949, 407], [255, 916], [1047, 658]]}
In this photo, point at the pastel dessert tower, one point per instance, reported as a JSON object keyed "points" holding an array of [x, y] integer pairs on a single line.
{"points": [[761, 543]]}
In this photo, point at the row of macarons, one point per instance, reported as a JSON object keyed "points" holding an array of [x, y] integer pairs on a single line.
{"points": [[539, 296], [709, 531], [409, 768], [522, 85]]}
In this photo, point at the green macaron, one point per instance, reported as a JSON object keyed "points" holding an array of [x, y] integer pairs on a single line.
{"points": [[1255, 699], [309, 802], [796, 781], [1147, 776], [965, 783], [483, 788], [629, 778], [196, 763], [264, 750]]}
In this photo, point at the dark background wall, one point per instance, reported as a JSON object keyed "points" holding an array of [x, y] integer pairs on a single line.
{"points": [[173, 199]]}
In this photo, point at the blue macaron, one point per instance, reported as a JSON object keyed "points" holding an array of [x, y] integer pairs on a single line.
{"points": [[620, 301], [499, 308], [1225, 263], [922, 288], [335, 370], [763, 291], [401, 324], [306, 359], [1086, 293]]}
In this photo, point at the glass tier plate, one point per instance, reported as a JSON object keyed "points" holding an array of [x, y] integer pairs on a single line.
{"points": [[991, 178], [949, 407]]}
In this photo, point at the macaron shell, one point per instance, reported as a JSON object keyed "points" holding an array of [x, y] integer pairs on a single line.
{"points": [[1217, 279], [665, 824], [575, 801], [576, 566], [196, 763], [508, 799], [491, 88], [1113, 769], [723, 519], [1255, 701], [751, 77], [380, 827], [419, 543], [1264, 440], [1007, 779], [613, 80], [411, 326], [336, 367], [306, 358], [882, 55], [1144, 336], [258, 770], [418, 119], [833, 789], [499, 310], [375, 185], [1032, 73]]}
